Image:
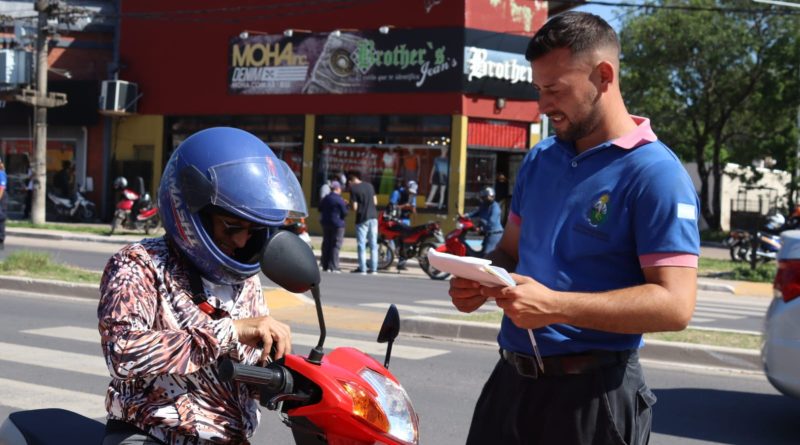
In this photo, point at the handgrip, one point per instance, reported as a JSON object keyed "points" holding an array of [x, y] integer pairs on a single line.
{"points": [[273, 378]]}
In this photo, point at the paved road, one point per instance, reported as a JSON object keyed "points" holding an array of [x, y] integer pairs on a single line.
{"points": [[49, 357], [412, 291]]}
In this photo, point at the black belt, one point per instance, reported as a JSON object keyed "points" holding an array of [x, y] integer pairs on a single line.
{"points": [[494, 232], [571, 364]]}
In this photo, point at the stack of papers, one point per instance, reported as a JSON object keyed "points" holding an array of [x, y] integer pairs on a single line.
{"points": [[472, 268]]}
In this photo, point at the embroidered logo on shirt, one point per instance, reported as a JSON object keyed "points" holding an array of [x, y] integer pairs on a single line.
{"points": [[597, 214]]}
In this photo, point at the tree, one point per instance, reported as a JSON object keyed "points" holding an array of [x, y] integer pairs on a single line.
{"points": [[719, 80]]}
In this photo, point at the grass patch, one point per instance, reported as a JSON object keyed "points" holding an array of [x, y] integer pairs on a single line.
{"points": [[65, 227], [709, 337], [39, 265], [729, 270]]}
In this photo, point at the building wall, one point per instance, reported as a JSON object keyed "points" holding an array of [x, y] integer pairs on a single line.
{"points": [[135, 132]]}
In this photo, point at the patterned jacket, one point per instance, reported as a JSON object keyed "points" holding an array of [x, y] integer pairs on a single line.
{"points": [[162, 350]]}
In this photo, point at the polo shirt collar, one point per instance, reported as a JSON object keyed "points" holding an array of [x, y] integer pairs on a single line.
{"points": [[641, 135]]}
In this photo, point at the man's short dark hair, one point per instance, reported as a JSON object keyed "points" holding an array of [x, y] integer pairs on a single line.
{"points": [[578, 31], [351, 175]]}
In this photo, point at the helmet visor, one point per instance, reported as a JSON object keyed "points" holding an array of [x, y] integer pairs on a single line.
{"points": [[258, 186]]}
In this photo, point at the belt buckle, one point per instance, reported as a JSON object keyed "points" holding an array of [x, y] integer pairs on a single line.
{"points": [[526, 367]]}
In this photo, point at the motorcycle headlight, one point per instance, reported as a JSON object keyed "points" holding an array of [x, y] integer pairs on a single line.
{"points": [[459, 225], [390, 411]]}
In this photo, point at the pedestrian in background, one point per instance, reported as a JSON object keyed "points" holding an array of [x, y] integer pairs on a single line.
{"points": [[487, 218], [364, 203], [28, 194], [3, 200], [603, 238], [333, 210]]}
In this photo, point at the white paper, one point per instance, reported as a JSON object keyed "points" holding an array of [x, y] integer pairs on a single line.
{"points": [[472, 268]]}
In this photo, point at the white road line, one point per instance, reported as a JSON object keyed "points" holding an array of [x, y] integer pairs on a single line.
{"points": [[718, 315], [488, 307], [24, 396], [415, 308], [53, 359], [729, 311], [702, 320], [298, 339], [368, 347]]}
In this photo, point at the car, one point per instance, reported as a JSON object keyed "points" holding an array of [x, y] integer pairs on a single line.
{"points": [[780, 352]]}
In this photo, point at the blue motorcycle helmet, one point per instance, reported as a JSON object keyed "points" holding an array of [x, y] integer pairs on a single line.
{"points": [[225, 170]]}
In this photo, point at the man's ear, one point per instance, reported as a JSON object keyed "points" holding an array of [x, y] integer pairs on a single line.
{"points": [[607, 74]]}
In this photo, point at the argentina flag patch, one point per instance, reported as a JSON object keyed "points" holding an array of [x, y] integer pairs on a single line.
{"points": [[687, 211]]}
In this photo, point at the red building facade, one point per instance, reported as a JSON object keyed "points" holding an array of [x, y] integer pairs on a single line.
{"points": [[435, 91]]}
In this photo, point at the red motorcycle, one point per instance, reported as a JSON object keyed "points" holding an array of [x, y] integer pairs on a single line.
{"points": [[135, 210], [401, 240], [455, 242], [344, 397]]}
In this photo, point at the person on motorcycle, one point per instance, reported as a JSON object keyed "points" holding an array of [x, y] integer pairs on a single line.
{"points": [[402, 204], [488, 215], [64, 182], [171, 307]]}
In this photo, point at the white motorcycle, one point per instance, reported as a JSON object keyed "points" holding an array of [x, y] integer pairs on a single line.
{"points": [[81, 210]]}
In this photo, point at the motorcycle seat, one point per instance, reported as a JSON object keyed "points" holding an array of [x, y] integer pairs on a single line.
{"points": [[62, 426]]}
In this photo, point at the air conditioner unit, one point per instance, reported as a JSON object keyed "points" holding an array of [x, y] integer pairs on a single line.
{"points": [[16, 67], [118, 97]]}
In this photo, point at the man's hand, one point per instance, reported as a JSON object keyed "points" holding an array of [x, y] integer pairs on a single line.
{"points": [[466, 294], [529, 304], [266, 330]]}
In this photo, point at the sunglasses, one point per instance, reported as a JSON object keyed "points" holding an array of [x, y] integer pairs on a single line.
{"points": [[232, 229]]}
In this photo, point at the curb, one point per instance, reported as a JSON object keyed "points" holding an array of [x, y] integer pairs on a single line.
{"points": [[715, 287]]}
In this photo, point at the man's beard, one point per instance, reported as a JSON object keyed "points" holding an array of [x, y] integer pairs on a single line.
{"points": [[579, 130]]}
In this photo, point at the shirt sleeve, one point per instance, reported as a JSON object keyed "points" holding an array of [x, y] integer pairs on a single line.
{"points": [[666, 211], [132, 343]]}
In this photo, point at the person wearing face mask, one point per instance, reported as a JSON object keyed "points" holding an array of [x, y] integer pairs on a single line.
{"points": [[171, 307]]}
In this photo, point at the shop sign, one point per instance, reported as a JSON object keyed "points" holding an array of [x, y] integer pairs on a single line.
{"points": [[495, 65], [345, 63], [509, 67]]}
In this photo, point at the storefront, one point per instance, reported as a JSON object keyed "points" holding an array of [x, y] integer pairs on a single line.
{"points": [[424, 98]]}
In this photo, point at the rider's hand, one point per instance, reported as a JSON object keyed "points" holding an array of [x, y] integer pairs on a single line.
{"points": [[466, 294], [267, 331]]}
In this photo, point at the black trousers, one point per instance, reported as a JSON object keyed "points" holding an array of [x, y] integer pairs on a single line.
{"points": [[608, 406], [332, 239]]}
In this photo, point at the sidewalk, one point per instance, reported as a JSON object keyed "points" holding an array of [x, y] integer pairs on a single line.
{"points": [[298, 309]]}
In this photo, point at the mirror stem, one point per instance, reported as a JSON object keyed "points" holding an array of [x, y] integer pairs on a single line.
{"points": [[315, 356], [388, 354]]}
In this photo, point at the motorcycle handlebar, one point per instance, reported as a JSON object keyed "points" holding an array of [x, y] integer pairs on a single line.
{"points": [[274, 378]]}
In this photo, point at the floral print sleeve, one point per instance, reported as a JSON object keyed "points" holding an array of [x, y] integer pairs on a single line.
{"points": [[134, 340], [162, 350]]}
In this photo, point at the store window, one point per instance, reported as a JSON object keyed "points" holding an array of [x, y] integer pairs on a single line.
{"points": [[387, 151], [283, 134]]}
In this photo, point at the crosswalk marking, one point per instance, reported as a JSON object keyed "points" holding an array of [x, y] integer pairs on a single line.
{"points": [[54, 359], [298, 339], [32, 396], [374, 348]]}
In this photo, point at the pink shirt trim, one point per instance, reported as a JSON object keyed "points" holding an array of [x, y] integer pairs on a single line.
{"points": [[668, 259], [516, 219], [643, 134]]}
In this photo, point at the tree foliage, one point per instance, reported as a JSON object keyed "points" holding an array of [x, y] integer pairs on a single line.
{"points": [[720, 83]]}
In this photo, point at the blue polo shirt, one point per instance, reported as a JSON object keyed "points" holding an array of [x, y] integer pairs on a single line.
{"points": [[587, 220]]}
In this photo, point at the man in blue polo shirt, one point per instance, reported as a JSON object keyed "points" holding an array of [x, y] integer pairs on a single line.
{"points": [[603, 238]]}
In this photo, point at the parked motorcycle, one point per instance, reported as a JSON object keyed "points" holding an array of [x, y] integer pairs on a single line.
{"points": [[455, 242], [135, 209], [738, 241], [401, 240], [81, 209], [299, 228], [345, 397]]}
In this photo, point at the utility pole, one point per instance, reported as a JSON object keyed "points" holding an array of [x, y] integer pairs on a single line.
{"points": [[41, 100]]}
